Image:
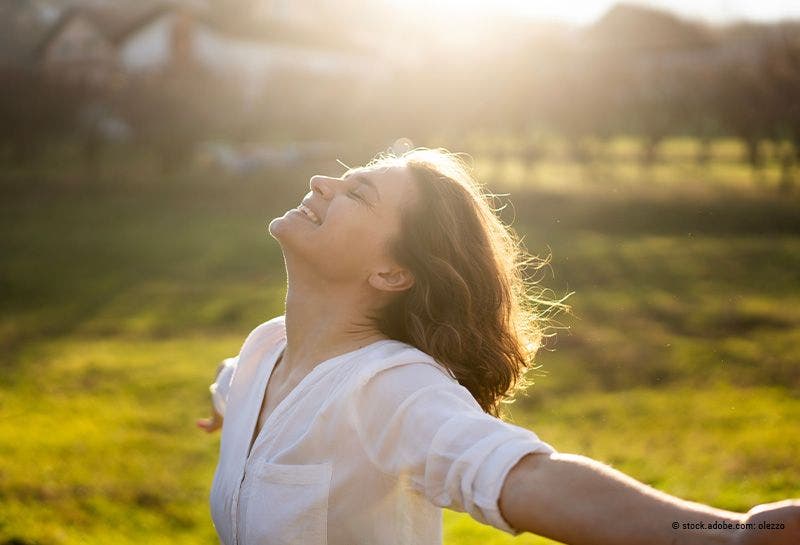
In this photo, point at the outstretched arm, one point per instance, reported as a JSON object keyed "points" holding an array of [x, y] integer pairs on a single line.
{"points": [[579, 501]]}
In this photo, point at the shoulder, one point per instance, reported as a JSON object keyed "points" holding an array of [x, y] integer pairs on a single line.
{"points": [[405, 385], [266, 333], [396, 357], [399, 369], [271, 326]]}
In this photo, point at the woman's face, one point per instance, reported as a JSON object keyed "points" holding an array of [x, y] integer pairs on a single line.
{"points": [[341, 230]]}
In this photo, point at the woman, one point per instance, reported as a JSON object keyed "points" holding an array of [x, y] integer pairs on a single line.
{"points": [[374, 401]]}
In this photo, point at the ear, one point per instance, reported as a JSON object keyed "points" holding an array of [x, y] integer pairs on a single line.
{"points": [[394, 279]]}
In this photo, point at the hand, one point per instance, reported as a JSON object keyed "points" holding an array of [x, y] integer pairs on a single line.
{"points": [[210, 424], [780, 521]]}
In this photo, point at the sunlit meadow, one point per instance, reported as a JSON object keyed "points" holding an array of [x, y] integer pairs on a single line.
{"points": [[679, 364]]}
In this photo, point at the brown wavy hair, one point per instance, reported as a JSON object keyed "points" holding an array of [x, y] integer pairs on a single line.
{"points": [[474, 305]]}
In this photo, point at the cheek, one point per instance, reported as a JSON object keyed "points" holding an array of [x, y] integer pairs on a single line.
{"points": [[356, 242], [356, 238]]}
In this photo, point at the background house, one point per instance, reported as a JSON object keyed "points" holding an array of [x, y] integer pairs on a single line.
{"points": [[100, 43]]}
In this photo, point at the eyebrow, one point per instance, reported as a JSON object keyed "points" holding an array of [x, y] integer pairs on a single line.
{"points": [[366, 181]]}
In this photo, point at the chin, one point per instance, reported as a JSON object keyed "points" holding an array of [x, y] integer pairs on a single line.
{"points": [[289, 237], [280, 227], [274, 227]]}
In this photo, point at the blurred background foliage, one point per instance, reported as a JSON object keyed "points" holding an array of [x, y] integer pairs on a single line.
{"points": [[145, 146]]}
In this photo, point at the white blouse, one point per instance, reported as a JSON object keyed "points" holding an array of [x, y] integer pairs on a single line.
{"points": [[366, 449]]}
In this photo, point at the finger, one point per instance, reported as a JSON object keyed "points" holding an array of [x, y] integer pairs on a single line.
{"points": [[775, 505], [205, 424]]}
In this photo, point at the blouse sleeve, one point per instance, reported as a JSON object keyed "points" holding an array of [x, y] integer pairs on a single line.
{"points": [[219, 389], [414, 420]]}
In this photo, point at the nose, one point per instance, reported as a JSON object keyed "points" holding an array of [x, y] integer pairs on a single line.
{"points": [[322, 185]]}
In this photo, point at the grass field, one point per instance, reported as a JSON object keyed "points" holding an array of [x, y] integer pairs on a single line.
{"points": [[681, 366]]}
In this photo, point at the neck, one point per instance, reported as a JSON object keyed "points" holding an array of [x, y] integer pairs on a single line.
{"points": [[324, 321]]}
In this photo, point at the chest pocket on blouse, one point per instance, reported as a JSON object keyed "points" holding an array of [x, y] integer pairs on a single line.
{"points": [[288, 505]]}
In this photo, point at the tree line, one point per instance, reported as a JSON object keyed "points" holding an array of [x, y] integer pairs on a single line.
{"points": [[582, 94]]}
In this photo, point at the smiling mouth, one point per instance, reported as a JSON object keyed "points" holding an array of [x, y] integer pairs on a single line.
{"points": [[306, 211]]}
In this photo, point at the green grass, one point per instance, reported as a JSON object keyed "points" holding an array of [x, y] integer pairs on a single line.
{"points": [[104, 446], [614, 167], [681, 366]]}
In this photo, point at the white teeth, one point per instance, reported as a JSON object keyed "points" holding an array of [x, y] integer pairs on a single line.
{"points": [[310, 213]]}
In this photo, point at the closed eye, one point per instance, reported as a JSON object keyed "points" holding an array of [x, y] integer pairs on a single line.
{"points": [[359, 197], [362, 180]]}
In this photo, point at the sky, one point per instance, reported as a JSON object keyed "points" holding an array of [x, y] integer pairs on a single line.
{"points": [[581, 12]]}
